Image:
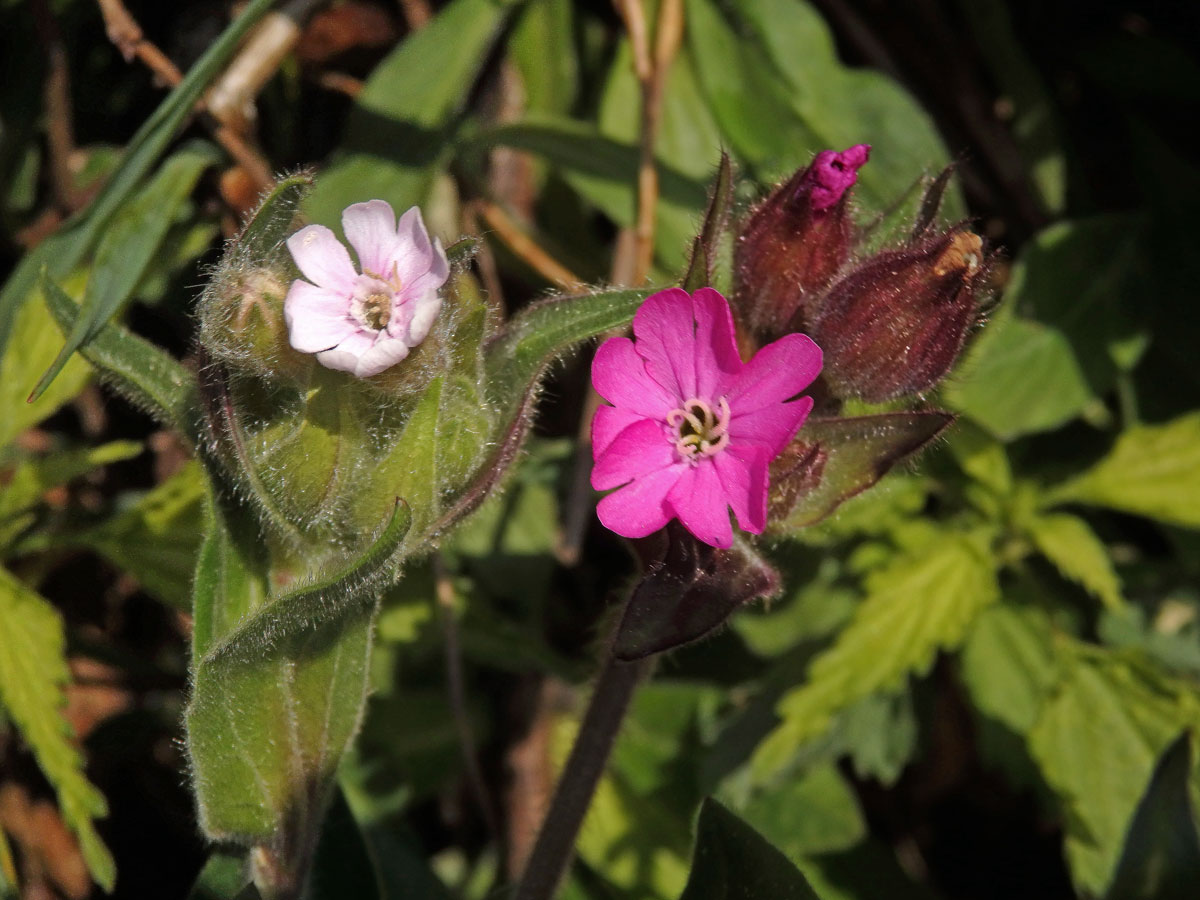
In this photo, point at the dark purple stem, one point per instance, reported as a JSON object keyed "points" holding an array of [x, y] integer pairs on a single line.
{"points": [[555, 845]]}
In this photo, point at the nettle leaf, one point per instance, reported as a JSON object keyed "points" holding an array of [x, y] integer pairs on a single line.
{"points": [[129, 244], [732, 861], [922, 602], [1152, 470], [1076, 551], [1161, 856], [832, 460], [33, 671], [1008, 664], [157, 538], [1096, 743], [141, 371], [1020, 377], [278, 697], [397, 134], [31, 478], [33, 346], [688, 589]]}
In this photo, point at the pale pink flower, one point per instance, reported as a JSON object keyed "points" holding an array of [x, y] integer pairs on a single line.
{"points": [[693, 429], [365, 322]]}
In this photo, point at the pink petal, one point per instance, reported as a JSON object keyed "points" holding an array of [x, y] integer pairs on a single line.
{"points": [[779, 371], [322, 259], [640, 508], [412, 252], [413, 317], [638, 450], [771, 426], [316, 318], [620, 377], [699, 500], [665, 329], [608, 422], [743, 475], [371, 230], [717, 359], [383, 355], [345, 356]]}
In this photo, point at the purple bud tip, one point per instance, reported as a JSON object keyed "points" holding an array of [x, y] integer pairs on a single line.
{"points": [[832, 174]]}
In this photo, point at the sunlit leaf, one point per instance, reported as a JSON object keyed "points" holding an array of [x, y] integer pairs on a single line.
{"points": [[1076, 551]]}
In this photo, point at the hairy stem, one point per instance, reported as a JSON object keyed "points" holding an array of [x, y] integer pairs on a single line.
{"points": [[555, 844]]}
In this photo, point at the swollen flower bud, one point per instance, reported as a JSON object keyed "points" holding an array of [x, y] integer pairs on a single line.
{"points": [[793, 245], [895, 325]]}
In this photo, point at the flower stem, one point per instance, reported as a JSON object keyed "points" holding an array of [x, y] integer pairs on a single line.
{"points": [[593, 744]]}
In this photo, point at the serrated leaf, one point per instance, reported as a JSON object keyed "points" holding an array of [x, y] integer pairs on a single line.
{"points": [[129, 243], [33, 671], [921, 603], [65, 250], [1152, 470], [1096, 743], [832, 460], [733, 861], [31, 478], [156, 539], [1020, 377], [1075, 550], [34, 343], [1161, 856], [278, 697], [397, 134], [1008, 664], [813, 813], [144, 373]]}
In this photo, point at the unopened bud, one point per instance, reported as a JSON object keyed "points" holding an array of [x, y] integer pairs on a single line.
{"points": [[895, 325], [241, 321], [795, 242]]}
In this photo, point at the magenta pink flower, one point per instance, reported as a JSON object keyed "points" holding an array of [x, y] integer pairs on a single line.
{"points": [[693, 429], [365, 322], [832, 174]]}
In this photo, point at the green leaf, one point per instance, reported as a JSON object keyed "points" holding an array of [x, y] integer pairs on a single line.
{"points": [[1008, 664], [277, 699], [65, 250], [811, 814], [542, 47], [129, 244], [1020, 377], [1153, 470], [273, 221], [733, 861], [397, 134], [156, 539], [33, 672], [1096, 743], [144, 373], [34, 342], [706, 246], [541, 333], [1076, 551], [832, 460], [33, 477], [1161, 856], [921, 603], [780, 93]]}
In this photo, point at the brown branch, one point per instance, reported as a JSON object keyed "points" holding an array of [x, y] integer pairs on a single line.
{"points": [[528, 250], [56, 94], [417, 13], [341, 83]]}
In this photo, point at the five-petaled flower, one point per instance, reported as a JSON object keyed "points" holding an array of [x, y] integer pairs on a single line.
{"points": [[693, 429], [365, 322]]}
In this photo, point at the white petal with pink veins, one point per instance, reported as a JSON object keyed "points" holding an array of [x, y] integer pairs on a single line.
{"points": [[371, 230]]}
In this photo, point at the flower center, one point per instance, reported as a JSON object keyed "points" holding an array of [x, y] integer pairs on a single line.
{"points": [[699, 429], [376, 310]]}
